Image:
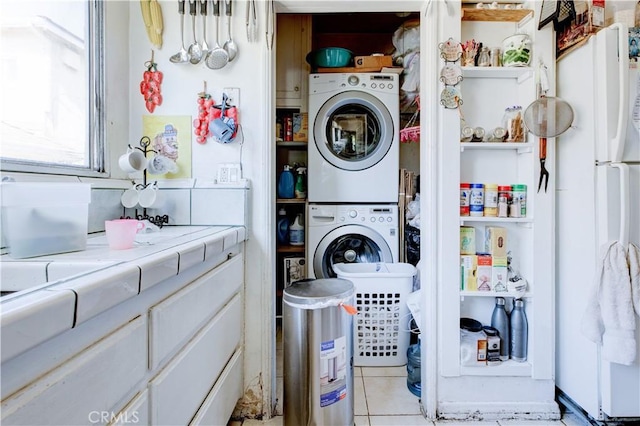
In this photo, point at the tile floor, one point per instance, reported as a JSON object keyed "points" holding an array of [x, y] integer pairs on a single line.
{"points": [[383, 399]]}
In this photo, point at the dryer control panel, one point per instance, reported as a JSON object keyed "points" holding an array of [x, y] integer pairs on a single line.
{"points": [[367, 214]]}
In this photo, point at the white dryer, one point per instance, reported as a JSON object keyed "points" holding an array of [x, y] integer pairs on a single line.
{"points": [[350, 234], [354, 151]]}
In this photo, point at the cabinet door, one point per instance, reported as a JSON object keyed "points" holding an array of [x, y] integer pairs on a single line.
{"points": [[292, 45], [88, 385]]}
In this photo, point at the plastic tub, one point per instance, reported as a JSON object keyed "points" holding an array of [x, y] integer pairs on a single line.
{"points": [[40, 218], [381, 327]]}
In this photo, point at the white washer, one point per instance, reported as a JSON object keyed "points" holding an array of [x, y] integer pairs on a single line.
{"points": [[354, 145], [350, 234]]}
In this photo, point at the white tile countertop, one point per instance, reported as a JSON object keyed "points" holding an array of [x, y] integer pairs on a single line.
{"points": [[57, 292]]}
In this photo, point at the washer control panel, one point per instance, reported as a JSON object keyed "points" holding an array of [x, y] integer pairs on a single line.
{"points": [[378, 214]]}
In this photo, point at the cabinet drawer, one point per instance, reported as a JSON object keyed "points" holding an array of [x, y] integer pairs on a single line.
{"points": [[136, 411], [177, 318], [222, 399], [181, 387], [93, 381]]}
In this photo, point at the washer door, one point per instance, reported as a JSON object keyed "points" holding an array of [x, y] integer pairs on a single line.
{"points": [[353, 130], [349, 244]]}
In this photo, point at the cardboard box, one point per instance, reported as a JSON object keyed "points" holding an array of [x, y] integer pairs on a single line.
{"points": [[377, 61], [468, 266], [499, 274], [300, 127], [294, 270], [467, 240], [495, 241], [484, 273]]}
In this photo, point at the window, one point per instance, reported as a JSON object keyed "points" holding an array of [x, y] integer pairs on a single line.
{"points": [[51, 86]]}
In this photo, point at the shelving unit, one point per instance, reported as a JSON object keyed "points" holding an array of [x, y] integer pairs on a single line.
{"points": [[495, 15]]}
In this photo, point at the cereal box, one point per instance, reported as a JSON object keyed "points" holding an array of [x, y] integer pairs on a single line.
{"points": [[300, 127]]}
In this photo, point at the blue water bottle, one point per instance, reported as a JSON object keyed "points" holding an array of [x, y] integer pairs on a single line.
{"points": [[286, 183], [283, 226]]}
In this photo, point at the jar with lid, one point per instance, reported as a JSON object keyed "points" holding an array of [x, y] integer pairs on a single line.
{"points": [[478, 134], [484, 59], [513, 122], [519, 202], [516, 51], [504, 200], [496, 57]]}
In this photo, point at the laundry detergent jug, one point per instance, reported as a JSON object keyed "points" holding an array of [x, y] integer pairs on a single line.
{"points": [[296, 231], [286, 183], [283, 227]]}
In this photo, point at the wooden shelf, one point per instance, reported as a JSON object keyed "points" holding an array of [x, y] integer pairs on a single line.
{"points": [[290, 249], [291, 200], [495, 15], [289, 144]]}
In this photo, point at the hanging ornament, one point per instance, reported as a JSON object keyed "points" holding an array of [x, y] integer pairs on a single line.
{"points": [[150, 85]]}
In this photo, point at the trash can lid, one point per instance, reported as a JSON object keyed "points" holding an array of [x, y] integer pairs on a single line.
{"points": [[318, 293]]}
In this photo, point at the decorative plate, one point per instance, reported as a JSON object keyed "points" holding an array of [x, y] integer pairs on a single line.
{"points": [[450, 97], [451, 74], [450, 50]]}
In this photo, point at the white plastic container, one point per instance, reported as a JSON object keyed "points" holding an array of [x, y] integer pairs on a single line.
{"points": [[40, 218], [381, 327]]}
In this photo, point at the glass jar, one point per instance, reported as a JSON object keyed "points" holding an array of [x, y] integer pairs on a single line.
{"points": [[516, 51], [504, 200], [484, 59]]}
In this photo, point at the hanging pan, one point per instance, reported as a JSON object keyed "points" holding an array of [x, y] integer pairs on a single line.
{"points": [[547, 116]]}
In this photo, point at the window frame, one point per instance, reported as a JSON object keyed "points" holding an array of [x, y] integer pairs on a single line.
{"points": [[96, 116]]}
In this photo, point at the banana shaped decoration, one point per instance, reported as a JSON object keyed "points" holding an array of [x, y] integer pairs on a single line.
{"points": [[152, 17]]}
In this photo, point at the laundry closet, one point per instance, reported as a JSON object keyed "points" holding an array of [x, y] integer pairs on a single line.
{"points": [[347, 144]]}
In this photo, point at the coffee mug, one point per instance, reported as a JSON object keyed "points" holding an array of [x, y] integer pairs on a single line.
{"points": [[129, 198], [160, 165], [121, 233], [132, 161], [150, 197]]}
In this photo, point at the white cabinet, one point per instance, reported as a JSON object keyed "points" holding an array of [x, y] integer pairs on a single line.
{"points": [[293, 42]]}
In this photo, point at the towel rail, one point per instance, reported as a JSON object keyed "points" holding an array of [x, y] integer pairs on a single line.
{"points": [[624, 202]]}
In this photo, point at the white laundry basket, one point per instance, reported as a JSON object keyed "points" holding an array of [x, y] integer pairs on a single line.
{"points": [[381, 327]]}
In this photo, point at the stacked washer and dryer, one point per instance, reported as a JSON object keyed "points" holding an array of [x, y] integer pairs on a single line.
{"points": [[353, 174]]}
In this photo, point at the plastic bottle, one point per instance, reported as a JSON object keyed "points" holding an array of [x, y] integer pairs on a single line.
{"points": [[301, 185], [519, 331], [296, 231], [286, 183], [283, 226], [500, 321], [413, 368]]}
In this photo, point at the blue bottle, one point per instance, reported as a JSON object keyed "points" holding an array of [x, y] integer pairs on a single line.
{"points": [[286, 183], [283, 227], [413, 369]]}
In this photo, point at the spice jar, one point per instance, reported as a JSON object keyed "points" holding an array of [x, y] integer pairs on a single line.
{"points": [[465, 193], [519, 205], [491, 200], [476, 201], [504, 200], [496, 57]]}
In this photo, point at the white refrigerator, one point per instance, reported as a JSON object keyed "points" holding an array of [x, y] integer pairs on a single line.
{"points": [[598, 201]]}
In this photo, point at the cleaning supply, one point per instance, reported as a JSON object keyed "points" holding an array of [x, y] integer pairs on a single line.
{"points": [[283, 226], [301, 185], [286, 183], [296, 231]]}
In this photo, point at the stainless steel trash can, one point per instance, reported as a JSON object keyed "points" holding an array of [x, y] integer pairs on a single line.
{"points": [[318, 353]]}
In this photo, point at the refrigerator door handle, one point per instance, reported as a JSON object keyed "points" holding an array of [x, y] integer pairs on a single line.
{"points": [[624, 202], [618, 141]]}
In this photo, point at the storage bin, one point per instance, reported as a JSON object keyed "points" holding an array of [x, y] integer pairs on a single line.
{"points": [[381, 326], [40, 218]]}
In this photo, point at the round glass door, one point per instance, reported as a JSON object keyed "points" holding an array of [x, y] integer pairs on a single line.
{"points": [[353, 130], [349, 244]]}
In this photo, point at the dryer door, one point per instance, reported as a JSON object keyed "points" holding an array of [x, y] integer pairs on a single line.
{"points": [[349, 244], [353, 130]]}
